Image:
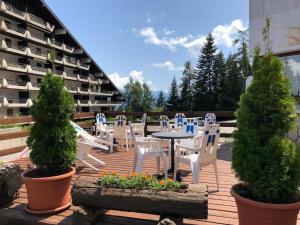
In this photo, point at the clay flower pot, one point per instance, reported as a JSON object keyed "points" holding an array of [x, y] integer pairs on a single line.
{"points": [[48, 195], [258, 213]]}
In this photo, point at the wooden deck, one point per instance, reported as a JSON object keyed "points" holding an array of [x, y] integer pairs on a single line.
{"points": [[222, 208]]}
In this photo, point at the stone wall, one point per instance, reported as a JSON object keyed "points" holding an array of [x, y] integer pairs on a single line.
{"points": [[10, 181]]}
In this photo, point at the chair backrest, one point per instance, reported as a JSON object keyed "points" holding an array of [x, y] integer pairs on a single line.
{"points": [[120, 121], [164, 122], [190, 125], [100, 118], [209, 145], [210, 118], [179, 119], [119, 132], [144, 119]]}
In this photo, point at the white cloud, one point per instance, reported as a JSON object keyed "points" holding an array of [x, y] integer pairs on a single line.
{"points": [[224, 36], [121, 80], [168, 65]]}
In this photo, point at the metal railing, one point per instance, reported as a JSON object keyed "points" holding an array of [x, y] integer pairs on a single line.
{"points": [[17, 100], [38, 35], [41, 69], [84, 101], [37, 19], [15, 46], [85, 89], [15, 27], [69, 47], [58, 58], [83, 77], [71, 88], [17, 82], [15, 63], [57, 43], [13, 9], [70, 60]]}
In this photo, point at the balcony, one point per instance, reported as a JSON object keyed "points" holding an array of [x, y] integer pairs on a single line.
{"points": [[106, 103], [69, 61], [17, 102], [39, 22], [13, 29], [14, 84], [68, 48], [84, 102], [37, 54], [93, 80], [14, 65], [70, 76], [19, 49], [38, 70], [84, 90], [55, 43], [37, 37], [34, 86], [59, 72], [71, 89], [11, 10], [83, 66], [58, 59], [83, 78]]}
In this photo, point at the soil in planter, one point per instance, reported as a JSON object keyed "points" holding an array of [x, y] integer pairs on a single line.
{"points": [[243, 191], [43, 172]]}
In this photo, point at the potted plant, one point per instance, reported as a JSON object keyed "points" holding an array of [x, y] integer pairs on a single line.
{"points": [[53, 143], [264, 159]]}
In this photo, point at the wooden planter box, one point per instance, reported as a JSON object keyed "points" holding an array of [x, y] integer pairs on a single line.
{"points": [[191, 204]]}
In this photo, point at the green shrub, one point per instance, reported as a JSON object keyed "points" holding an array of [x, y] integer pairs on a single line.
{"points": [[265, 161], [52, 138]]}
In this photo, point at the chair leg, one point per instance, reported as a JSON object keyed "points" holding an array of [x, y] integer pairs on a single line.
{"points": [[134, 162], [158, 164], [216, 174], [195, 172], [140, 163]]}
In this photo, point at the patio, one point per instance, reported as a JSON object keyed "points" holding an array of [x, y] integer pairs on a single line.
{"points": [[222, 209]]}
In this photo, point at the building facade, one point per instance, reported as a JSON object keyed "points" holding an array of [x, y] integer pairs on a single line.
{"points": [[284, 33], [29, 35]]}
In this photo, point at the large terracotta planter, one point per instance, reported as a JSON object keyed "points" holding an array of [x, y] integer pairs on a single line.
{"points": [[257, 213], [48, 195]]}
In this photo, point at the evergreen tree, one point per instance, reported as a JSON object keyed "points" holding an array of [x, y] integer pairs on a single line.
{"points": [[147, 103], [173, 100], [234, 83], [204, 85], [186, 95], [160, 102], [137, 97], [128, 95]]}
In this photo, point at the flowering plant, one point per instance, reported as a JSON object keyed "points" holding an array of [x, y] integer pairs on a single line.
{"points": [[141, 181]]}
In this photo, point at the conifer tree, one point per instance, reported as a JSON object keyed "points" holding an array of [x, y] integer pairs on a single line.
{"points": [[204, 87], [160, 102], [186, 95], [173, 100], [147, 103]]}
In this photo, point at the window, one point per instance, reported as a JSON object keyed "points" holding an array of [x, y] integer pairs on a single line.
{"points": [[292, 71], [39, 64], [8, 42]]}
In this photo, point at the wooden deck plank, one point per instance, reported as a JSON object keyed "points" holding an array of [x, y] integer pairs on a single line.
{"points": [[222, 207]]}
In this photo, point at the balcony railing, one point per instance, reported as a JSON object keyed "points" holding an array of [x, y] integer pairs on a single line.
{"points": [[72, 88], [15, 63], [68, 47], [106, 92], [58, 72], [17, 82], [15, 46], [70, 60], [39, 36], [58, 58], [40, 53], [84, 101], [83, 77], [17, 100], [57, 43], [13, 9], [40, 69], [37, 19], [35, 84], [85, 89], [15, 27]]}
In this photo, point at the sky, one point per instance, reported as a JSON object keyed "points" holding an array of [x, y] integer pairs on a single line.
{"points": [[150, 40]]}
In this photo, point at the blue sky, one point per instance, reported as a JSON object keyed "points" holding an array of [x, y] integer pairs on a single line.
{"points": [[150, 40]]}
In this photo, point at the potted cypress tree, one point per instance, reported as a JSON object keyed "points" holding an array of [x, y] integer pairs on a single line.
{"points": [[265, 161], [53, 143]]}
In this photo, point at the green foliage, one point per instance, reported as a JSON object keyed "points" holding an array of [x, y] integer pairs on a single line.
{"points": [[263, 158], [138, 97], [52, 138], [160, 101], [140, 182], [186, 91], [172, 103]]}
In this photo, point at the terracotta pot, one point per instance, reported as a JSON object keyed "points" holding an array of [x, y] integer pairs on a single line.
{"points": [[48, 195], [258, 213]]}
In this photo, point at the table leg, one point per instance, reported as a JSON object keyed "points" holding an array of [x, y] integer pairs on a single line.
{"points": [[172, 156]]}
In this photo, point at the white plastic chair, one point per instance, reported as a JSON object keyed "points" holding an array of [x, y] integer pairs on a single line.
{"points": [[147, 147], [202, 152], [179, 119], [164, 123], [85, 142], [100, 126], [120, 121], [210, 118], [119, 134]]}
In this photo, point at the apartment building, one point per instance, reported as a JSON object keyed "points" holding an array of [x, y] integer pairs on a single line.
{"points": [[29, 34]]}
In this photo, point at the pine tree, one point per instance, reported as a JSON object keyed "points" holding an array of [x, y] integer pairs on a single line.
{"points": [[173, 100], [160, 102], [204, 86], [222, 92], [128, 95], [147, 103], [186, 95], [137, 97], [234, 83]]}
